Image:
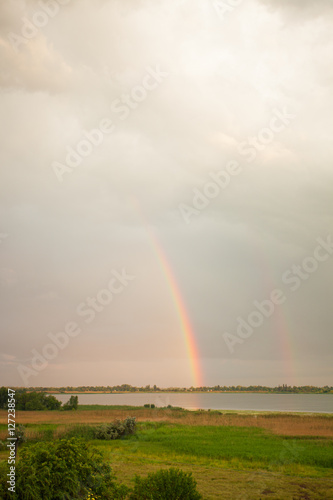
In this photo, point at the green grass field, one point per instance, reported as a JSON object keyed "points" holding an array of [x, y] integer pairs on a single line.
{"points": [[228, 461], [247, 445]]}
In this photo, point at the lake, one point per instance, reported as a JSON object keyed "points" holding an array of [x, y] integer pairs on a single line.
{"points": [[318, 403]]}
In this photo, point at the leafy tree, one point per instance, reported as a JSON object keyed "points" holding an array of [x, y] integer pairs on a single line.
{"points": [[61, 470], [35, 401], [51, 402], [29, 401], [72, 403]]}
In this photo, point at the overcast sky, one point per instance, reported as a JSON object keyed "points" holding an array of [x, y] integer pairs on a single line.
{"points": [[202, 127]]}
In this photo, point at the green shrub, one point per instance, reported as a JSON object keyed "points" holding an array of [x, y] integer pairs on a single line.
{"points": [[130, 425], [4, 470], [116, 429], [63, 470], [72, 403], [107, 431], [171, 484]]}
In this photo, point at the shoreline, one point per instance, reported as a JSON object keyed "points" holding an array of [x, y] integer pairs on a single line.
{"points": [[184, 392]]}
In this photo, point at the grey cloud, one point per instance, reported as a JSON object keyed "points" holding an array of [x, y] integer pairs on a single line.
{"points": [[65, 237]]}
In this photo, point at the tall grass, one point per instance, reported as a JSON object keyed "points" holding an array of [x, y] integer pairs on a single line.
{"points": [[82, 431]]}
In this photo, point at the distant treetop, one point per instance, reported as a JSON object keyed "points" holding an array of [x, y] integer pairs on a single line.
{"points": [[284, 388]]}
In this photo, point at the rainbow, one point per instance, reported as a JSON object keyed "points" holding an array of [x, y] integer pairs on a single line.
{"points": [[185, 323], [279, 318], [186, 326]]}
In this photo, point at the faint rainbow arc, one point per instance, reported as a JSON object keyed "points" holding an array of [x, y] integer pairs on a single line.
{"points": [[280, 323]]}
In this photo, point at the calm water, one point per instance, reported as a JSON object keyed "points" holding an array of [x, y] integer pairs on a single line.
{"points": [[321, 403]]}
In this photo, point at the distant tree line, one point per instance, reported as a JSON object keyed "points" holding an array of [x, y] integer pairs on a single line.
{"points": [[284, 388], [35, 401]]}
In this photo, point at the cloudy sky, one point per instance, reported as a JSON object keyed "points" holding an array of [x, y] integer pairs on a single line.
{"points": [[145, 139]]}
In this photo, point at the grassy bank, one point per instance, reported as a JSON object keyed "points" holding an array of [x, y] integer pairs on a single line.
{"points": [[232, 455]]}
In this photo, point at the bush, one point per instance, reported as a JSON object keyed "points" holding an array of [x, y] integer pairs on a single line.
{"points": [[171, 484], [64, 470], [130, 425], [107, 431], [116, 430], [72, 403]]}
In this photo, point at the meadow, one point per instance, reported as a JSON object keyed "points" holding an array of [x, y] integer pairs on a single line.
{"points": [[232, 455]]}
